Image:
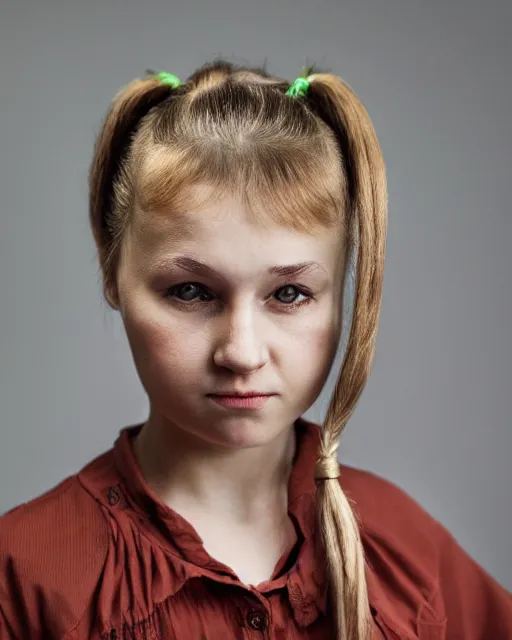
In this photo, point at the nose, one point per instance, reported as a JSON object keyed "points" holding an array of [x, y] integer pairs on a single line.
{"points": [[239, 344]]}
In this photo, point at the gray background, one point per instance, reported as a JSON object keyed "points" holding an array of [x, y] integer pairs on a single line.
{"points": [[435, 77]]}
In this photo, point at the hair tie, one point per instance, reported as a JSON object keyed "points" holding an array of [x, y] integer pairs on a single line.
{"points": [[327, 468], [168, 78], [299, 87]]}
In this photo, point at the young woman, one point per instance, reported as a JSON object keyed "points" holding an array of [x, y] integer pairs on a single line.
{"points": [[225, 210]]}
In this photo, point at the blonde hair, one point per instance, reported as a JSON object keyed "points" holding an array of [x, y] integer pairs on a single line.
{"points": [[304, 162]]}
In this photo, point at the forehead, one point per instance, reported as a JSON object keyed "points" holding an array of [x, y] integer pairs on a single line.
{"points": [[223, 231]]}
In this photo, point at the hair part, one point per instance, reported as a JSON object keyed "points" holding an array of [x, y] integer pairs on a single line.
{"points": [[304, 163]]}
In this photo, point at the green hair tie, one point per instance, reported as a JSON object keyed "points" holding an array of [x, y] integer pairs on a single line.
{"points": [[299, 87], [168, 78]]}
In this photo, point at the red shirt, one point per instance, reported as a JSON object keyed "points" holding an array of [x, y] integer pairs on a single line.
{"points": [[101, 557]]}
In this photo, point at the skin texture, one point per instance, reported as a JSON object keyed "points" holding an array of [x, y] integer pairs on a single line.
{"points": [[227, 469]]}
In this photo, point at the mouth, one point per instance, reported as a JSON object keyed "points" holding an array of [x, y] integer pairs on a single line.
{"points": [[234, 394], [241, 401]]}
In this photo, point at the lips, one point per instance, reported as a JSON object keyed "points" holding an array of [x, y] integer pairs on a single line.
{"points": [[240, 402], [234, 394]]}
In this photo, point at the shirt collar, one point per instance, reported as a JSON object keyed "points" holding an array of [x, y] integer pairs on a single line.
{"points": [[305, 581]]}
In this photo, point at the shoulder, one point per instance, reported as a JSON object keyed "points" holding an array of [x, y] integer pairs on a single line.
{"points": [[403, 542], [417, 567], [52, 550], [61, 523], [383, 507]]}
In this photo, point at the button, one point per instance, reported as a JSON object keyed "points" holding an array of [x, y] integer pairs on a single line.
{"points": [[113, 496], [257, 620]]}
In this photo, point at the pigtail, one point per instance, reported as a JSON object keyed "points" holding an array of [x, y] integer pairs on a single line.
{"points": [[334, 101], [127, 109]]}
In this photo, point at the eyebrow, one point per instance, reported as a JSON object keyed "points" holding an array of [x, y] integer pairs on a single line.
{"points": [[196, 266]]}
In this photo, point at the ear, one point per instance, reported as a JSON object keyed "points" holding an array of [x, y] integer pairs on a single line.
{"points": [[111, 293]]}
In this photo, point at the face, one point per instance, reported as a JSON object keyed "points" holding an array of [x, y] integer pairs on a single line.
{"points": [[235, 324]]}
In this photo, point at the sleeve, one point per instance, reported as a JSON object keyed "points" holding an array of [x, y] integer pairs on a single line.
{"points": [[477, 606]]}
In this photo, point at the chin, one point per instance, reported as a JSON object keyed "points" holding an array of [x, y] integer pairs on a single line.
{"points": [[240, 433], [236, 431]]}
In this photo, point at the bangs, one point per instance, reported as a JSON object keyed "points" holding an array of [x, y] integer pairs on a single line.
{"points": [[291, 186]]}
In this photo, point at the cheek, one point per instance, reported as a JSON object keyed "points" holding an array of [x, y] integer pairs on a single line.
{"points": [[309, 363], [165, 357], [312, 352]]}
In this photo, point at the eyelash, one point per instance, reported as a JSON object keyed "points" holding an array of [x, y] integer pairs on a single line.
{"points": [[291, 306]]}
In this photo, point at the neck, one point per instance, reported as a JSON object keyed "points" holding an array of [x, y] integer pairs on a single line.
{"points": [[191, 475]]}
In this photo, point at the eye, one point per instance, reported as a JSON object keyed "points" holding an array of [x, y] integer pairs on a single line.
{"points": [[189, 294], [189, 291], [291, 291]]}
